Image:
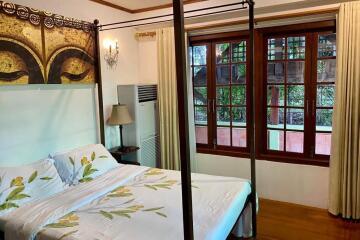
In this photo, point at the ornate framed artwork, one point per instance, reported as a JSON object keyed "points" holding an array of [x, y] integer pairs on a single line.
{"points": [[38, 47]]}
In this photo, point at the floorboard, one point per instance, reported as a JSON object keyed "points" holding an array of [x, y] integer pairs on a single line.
{"points": [[285, 221]]}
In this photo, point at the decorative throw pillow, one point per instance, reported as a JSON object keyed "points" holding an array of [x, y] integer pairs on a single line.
{"points": [[84, 164], [20, 185]]}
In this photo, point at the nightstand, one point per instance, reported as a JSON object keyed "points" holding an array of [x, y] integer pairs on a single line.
{"points": [[119, 154]]}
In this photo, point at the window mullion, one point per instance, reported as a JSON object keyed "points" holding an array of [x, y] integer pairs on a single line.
{"points": [[212, 95], [309, 140]]}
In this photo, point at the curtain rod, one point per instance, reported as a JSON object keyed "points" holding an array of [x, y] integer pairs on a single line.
{"points": [[170, 15], [169, 20]]}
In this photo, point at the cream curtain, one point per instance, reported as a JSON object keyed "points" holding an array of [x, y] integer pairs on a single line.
{"points": [[191, 112], [345, 158], [169, 125]]}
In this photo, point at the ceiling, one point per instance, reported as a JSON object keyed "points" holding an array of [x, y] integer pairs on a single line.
{"points": [[132, 6], [140, 6]]}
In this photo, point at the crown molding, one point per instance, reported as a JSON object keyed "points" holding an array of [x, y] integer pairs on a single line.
{"points": [[109, 4], [141, 10]]}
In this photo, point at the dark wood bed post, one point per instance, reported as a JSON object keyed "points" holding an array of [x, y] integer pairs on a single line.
{"points": [[182, 90], [99, 82], [180, 51], [251, 4]]}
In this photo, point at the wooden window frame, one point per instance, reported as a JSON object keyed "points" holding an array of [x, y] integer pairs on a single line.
{"points": [[210, 41], [307, 158], [260, 89]]}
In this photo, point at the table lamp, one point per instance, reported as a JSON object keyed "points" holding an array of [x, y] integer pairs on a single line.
{"points": [[120, 116]]}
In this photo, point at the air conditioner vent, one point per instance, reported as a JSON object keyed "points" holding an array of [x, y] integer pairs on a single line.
{"points": [[150, 151], [147, 93]]}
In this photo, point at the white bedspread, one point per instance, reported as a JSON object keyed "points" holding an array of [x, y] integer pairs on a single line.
{"points": [[132, 202]]}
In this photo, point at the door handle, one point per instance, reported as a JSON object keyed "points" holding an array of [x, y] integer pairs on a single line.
{"points": [[307, 107], [314, 108]]}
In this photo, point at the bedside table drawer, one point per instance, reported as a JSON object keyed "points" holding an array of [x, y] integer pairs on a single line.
{"points": [[128, 162], [119, 159]]}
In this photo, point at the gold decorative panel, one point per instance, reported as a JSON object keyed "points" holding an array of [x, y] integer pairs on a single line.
{"points": [[38, 47]]}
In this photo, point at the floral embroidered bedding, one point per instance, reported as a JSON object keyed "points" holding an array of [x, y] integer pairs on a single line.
{"points": [[132, 202]]}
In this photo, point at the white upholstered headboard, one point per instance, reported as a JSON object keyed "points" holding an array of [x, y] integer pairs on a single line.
{"points": [[36, 120]]}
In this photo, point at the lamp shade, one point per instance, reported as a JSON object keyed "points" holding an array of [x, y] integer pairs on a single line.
{"points": [[120, 115]]}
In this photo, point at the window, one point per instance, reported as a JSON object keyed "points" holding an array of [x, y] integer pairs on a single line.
{"points": [[295, 70], [286, 93], [220, 99], [325, 92], [299, 81], [200, 83]]}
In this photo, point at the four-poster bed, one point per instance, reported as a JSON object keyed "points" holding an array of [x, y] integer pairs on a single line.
{"points": [[179, 27], [242, 193]]}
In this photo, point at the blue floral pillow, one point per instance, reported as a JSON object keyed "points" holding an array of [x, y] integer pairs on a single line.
{"points": [[20, 185], [84, 164]]}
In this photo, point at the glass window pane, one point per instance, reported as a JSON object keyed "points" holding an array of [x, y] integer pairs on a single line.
{"points": [[295, 119], [276, 48], [327, 45], [325, 95], [190, 52], [238, 72], [275, 95], [239, 52], [223, 96], [200, 76], [239, 116], [201, 115], [223, 74], [296, 47], [323, 143], [324, 119], [223, 136], [275, 140], [295, 142], [295, 72], [238, 94], [326, 70], [239, 137], [275, 118], [223, 116], [295, 96], [201, 134], [276, 72], [199, 55], [223, 53], [200, 95]]}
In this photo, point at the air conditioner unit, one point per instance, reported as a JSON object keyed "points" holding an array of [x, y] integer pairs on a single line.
{"points": [[144, 132]]}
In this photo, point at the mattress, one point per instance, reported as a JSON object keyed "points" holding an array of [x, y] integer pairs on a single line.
{"points": [[133, 202]]}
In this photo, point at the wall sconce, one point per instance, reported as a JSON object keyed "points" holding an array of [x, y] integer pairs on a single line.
{"points": [[111, 52]]}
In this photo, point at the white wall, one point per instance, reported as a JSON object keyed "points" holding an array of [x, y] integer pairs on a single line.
{"points": [[301, 184], [37, 120], [148, 67]]}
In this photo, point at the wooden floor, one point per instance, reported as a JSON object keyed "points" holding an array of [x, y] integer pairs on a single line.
{"points": [[286, 221]]}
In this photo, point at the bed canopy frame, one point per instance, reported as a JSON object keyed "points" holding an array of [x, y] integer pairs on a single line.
{"points": [[178, 19]]}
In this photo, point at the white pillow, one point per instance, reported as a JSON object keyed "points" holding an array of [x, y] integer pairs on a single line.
{"points": [[20, 185], [84, 164]]}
